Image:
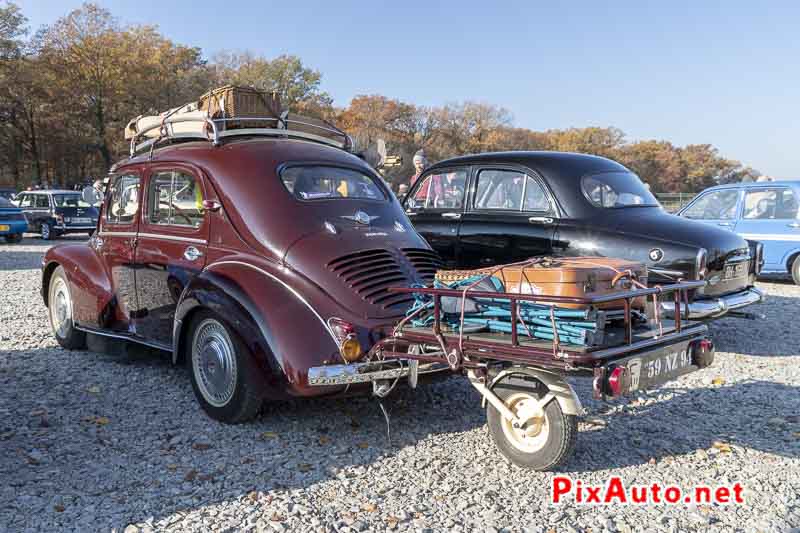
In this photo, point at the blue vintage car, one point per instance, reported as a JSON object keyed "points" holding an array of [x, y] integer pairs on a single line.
{"points": [[12, 221], [768, 212]]}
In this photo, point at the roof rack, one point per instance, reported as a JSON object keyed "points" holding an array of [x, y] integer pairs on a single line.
{"points": [[214, 130]]}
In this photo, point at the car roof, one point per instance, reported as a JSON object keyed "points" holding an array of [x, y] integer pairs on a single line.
{"points": [[755, 184], [560, 165], [52, 191]]}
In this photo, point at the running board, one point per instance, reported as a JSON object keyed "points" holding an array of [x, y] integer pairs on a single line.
{"points": [[122, 336]]}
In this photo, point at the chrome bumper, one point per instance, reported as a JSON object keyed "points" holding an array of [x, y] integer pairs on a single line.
{"points": [[74, 228], [367, 372], [715, 307]]}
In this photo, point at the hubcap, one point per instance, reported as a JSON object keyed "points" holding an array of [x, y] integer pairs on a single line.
{"points": [[60, 307], [532, 435], [214, 362]]}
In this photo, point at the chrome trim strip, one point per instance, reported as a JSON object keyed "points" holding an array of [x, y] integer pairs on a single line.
{"points": [[365, 372], [121, 336], [117, 234], [665, 271], [290, 289], [772, 237], [173, 238]]}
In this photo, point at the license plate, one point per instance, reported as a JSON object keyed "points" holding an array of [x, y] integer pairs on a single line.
{"points": [[79, 220], [4, 227], [654, 368], [736, 271]]}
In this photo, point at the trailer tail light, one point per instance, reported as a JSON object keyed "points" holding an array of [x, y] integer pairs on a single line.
{"points": [[345, 334], [618, 381], [702, 353]]}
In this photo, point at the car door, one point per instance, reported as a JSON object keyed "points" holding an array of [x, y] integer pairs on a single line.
{"points": [[116, 244], [510, 218], [719, 207], [171, 248], [435, 206], [770, 215]]}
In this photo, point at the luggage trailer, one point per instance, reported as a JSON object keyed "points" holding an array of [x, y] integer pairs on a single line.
{"points": [[531, 409]]}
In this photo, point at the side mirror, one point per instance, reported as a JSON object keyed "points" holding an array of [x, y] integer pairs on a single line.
{"points": [[91, 196]]}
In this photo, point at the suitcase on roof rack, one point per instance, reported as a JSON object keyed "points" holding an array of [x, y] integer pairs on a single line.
{"points": [[581, 277], [234, 102]]}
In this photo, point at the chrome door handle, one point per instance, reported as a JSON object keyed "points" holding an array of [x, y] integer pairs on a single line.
{"points": [[794, 225], [454, 216], [540, 220], [192, 254], [724, 224]]}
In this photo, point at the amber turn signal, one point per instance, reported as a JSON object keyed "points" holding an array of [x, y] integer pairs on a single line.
{"points": [[350, 349]]}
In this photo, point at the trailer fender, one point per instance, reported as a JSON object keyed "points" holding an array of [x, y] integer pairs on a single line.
{"points": [[559, 388]]}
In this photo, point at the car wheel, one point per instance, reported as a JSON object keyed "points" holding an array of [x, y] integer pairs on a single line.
{"points": [[547, 438], [226, 382], [46, 231], [59, 306], [14, 238], [796, 270]]}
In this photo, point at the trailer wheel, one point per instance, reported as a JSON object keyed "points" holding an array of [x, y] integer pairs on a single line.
{"points": [[547, 438]]}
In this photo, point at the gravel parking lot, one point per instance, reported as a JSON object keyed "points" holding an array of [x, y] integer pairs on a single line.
{"points": [[115, 440]]}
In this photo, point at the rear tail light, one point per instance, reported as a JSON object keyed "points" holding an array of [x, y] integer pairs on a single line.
{"points": [[618, 381], [702, 353], [701, 263], [349, 347]]}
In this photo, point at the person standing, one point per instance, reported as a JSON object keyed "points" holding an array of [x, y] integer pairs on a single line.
{"points": [[420, 163]]}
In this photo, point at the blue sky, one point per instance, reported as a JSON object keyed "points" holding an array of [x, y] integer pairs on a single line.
{"points": [[724, 73]]}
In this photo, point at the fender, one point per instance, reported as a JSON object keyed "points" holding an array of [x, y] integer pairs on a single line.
{"points": [[281, 329], [90, 287], [562, 391]]}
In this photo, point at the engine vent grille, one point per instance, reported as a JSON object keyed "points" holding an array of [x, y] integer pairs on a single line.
{"points": [[371, 273]]}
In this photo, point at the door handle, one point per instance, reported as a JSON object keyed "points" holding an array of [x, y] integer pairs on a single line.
{"points": [[724, 224], [540, 220], [794, 225], [454, 216], [192, 254]]}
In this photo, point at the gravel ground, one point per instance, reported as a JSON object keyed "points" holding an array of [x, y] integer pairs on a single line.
{"points": [[115, 440]]}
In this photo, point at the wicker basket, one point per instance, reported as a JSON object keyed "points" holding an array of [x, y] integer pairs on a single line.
{"points": [[232, 101]]}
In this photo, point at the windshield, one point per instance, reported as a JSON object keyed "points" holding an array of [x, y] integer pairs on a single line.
{"points": [[330, 183], [617, 189], [69, 200]]}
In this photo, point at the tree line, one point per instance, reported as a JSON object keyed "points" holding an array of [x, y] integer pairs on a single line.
{"points": [[68, 89]]}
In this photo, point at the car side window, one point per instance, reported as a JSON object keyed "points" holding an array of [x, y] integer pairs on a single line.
{"points": [[26, 200], [509, 190], [123, 199], [42, 201], [714, 205], [770, 204], [443, 190], [174, 197]]}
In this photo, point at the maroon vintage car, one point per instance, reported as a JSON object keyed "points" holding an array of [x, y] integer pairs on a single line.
{"points": [[275, 263], [254, 260]]}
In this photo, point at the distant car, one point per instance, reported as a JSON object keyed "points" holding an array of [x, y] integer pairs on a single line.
{"points": [[53, 213], [12, 221], [767, 212], [496, 208]]}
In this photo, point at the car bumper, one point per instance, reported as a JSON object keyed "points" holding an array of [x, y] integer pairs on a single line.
{"points": [[716, 307], [14, 227], [366, 372], [75, 229]]}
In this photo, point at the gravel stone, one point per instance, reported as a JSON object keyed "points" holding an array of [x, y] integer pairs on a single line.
{"points": [[113, 440]]}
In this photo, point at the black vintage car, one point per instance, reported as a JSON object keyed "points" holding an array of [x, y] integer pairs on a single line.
{"points": [[53, 213], [495, 208]]}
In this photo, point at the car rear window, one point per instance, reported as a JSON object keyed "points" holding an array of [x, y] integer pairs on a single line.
{"points": [[617, 189], [69, 200], [318, 182]]}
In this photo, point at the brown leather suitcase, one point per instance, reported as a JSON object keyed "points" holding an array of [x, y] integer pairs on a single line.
{"points": [[567, 276]]}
